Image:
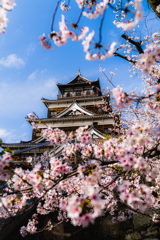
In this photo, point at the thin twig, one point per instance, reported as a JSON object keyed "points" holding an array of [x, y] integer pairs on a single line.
{"points": [[55, 10], [79, 15], [124, 57], [100, 27]]}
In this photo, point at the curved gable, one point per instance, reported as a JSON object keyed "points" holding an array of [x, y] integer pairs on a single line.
{"points": [[73, 108]]}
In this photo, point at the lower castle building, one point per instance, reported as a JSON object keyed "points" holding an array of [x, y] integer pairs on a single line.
{"points": [[79, 103]]}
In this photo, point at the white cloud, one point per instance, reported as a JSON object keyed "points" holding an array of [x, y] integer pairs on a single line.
{"points": [[50, 83], [7, 136], [32, 76], [21, 98], [4, 133], [43, 71], [12, 137], [12, 61], [31, 48], [26, 96]]}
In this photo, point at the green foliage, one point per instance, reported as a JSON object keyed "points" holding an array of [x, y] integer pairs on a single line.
{"points": [[5, 150], [107, 136], [154, 4]]}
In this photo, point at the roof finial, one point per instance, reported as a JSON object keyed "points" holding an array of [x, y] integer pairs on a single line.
{"points": [[79, 73]]}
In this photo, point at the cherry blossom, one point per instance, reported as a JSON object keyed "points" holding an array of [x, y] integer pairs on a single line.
{"points": [[158, 8], [60, 38], [5, 5], [31, 116], [34, 125], [90, 178], [64, 6], [99, 9], [8, 4], [121, 98], [3, 20], [44, 42]]}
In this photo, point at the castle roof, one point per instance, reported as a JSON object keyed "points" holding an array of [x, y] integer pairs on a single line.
{"points": [[79, 117], [78, 99], [74, 108], [79, 79]]}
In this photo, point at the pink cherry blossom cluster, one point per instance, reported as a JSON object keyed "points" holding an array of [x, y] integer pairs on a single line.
{"points": [[5, 5], [158, 8], [34, 125], [32, 178], [154, 106], [102, 53], [70, 136], [31, 228], [69, 150], [156, 37], [61, 38], [109, 148], [17, 179], [64, 7], [3, 20], [124, 168], [4, 160], [6, 205], [150, 57], [29, 159], [94, 10], [86, 151], [87, 192], [83, 136], [45, 42], [55, 136], [138, 198], [43, 159], [154, 71], [97, 151], [32, 116], [138, 16], [58, 168], [91, 204], [121, 98]]}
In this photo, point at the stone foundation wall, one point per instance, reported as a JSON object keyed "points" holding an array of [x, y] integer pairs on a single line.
{"points": [[140, 227]]}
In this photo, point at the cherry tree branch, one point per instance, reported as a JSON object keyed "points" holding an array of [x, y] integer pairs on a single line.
{"points": [[100, 27], [116, 54], [135, 43], [53, 17]]}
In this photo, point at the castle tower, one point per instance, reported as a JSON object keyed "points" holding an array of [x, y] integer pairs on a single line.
{"points": [[79, 103]]}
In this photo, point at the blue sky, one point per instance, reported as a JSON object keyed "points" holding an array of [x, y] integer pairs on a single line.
{"points": [[28, 72]]}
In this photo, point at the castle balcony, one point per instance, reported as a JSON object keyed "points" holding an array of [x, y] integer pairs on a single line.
{"points": [[67, 95]]}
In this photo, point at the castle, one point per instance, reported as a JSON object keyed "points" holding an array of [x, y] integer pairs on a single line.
{"points": [[79, 103]]}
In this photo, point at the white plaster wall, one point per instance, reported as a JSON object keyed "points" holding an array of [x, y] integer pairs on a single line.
{"points": [[79, 123], [82, 103]]}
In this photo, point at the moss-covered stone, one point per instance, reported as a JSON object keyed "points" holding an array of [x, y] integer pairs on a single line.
{"points": [[141, 221]]}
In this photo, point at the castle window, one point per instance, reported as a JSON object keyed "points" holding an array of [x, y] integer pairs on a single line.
{"points": [[38, 134], [106, 130], [53, 113], [68, 94], [88, 92], [78, 93]]}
